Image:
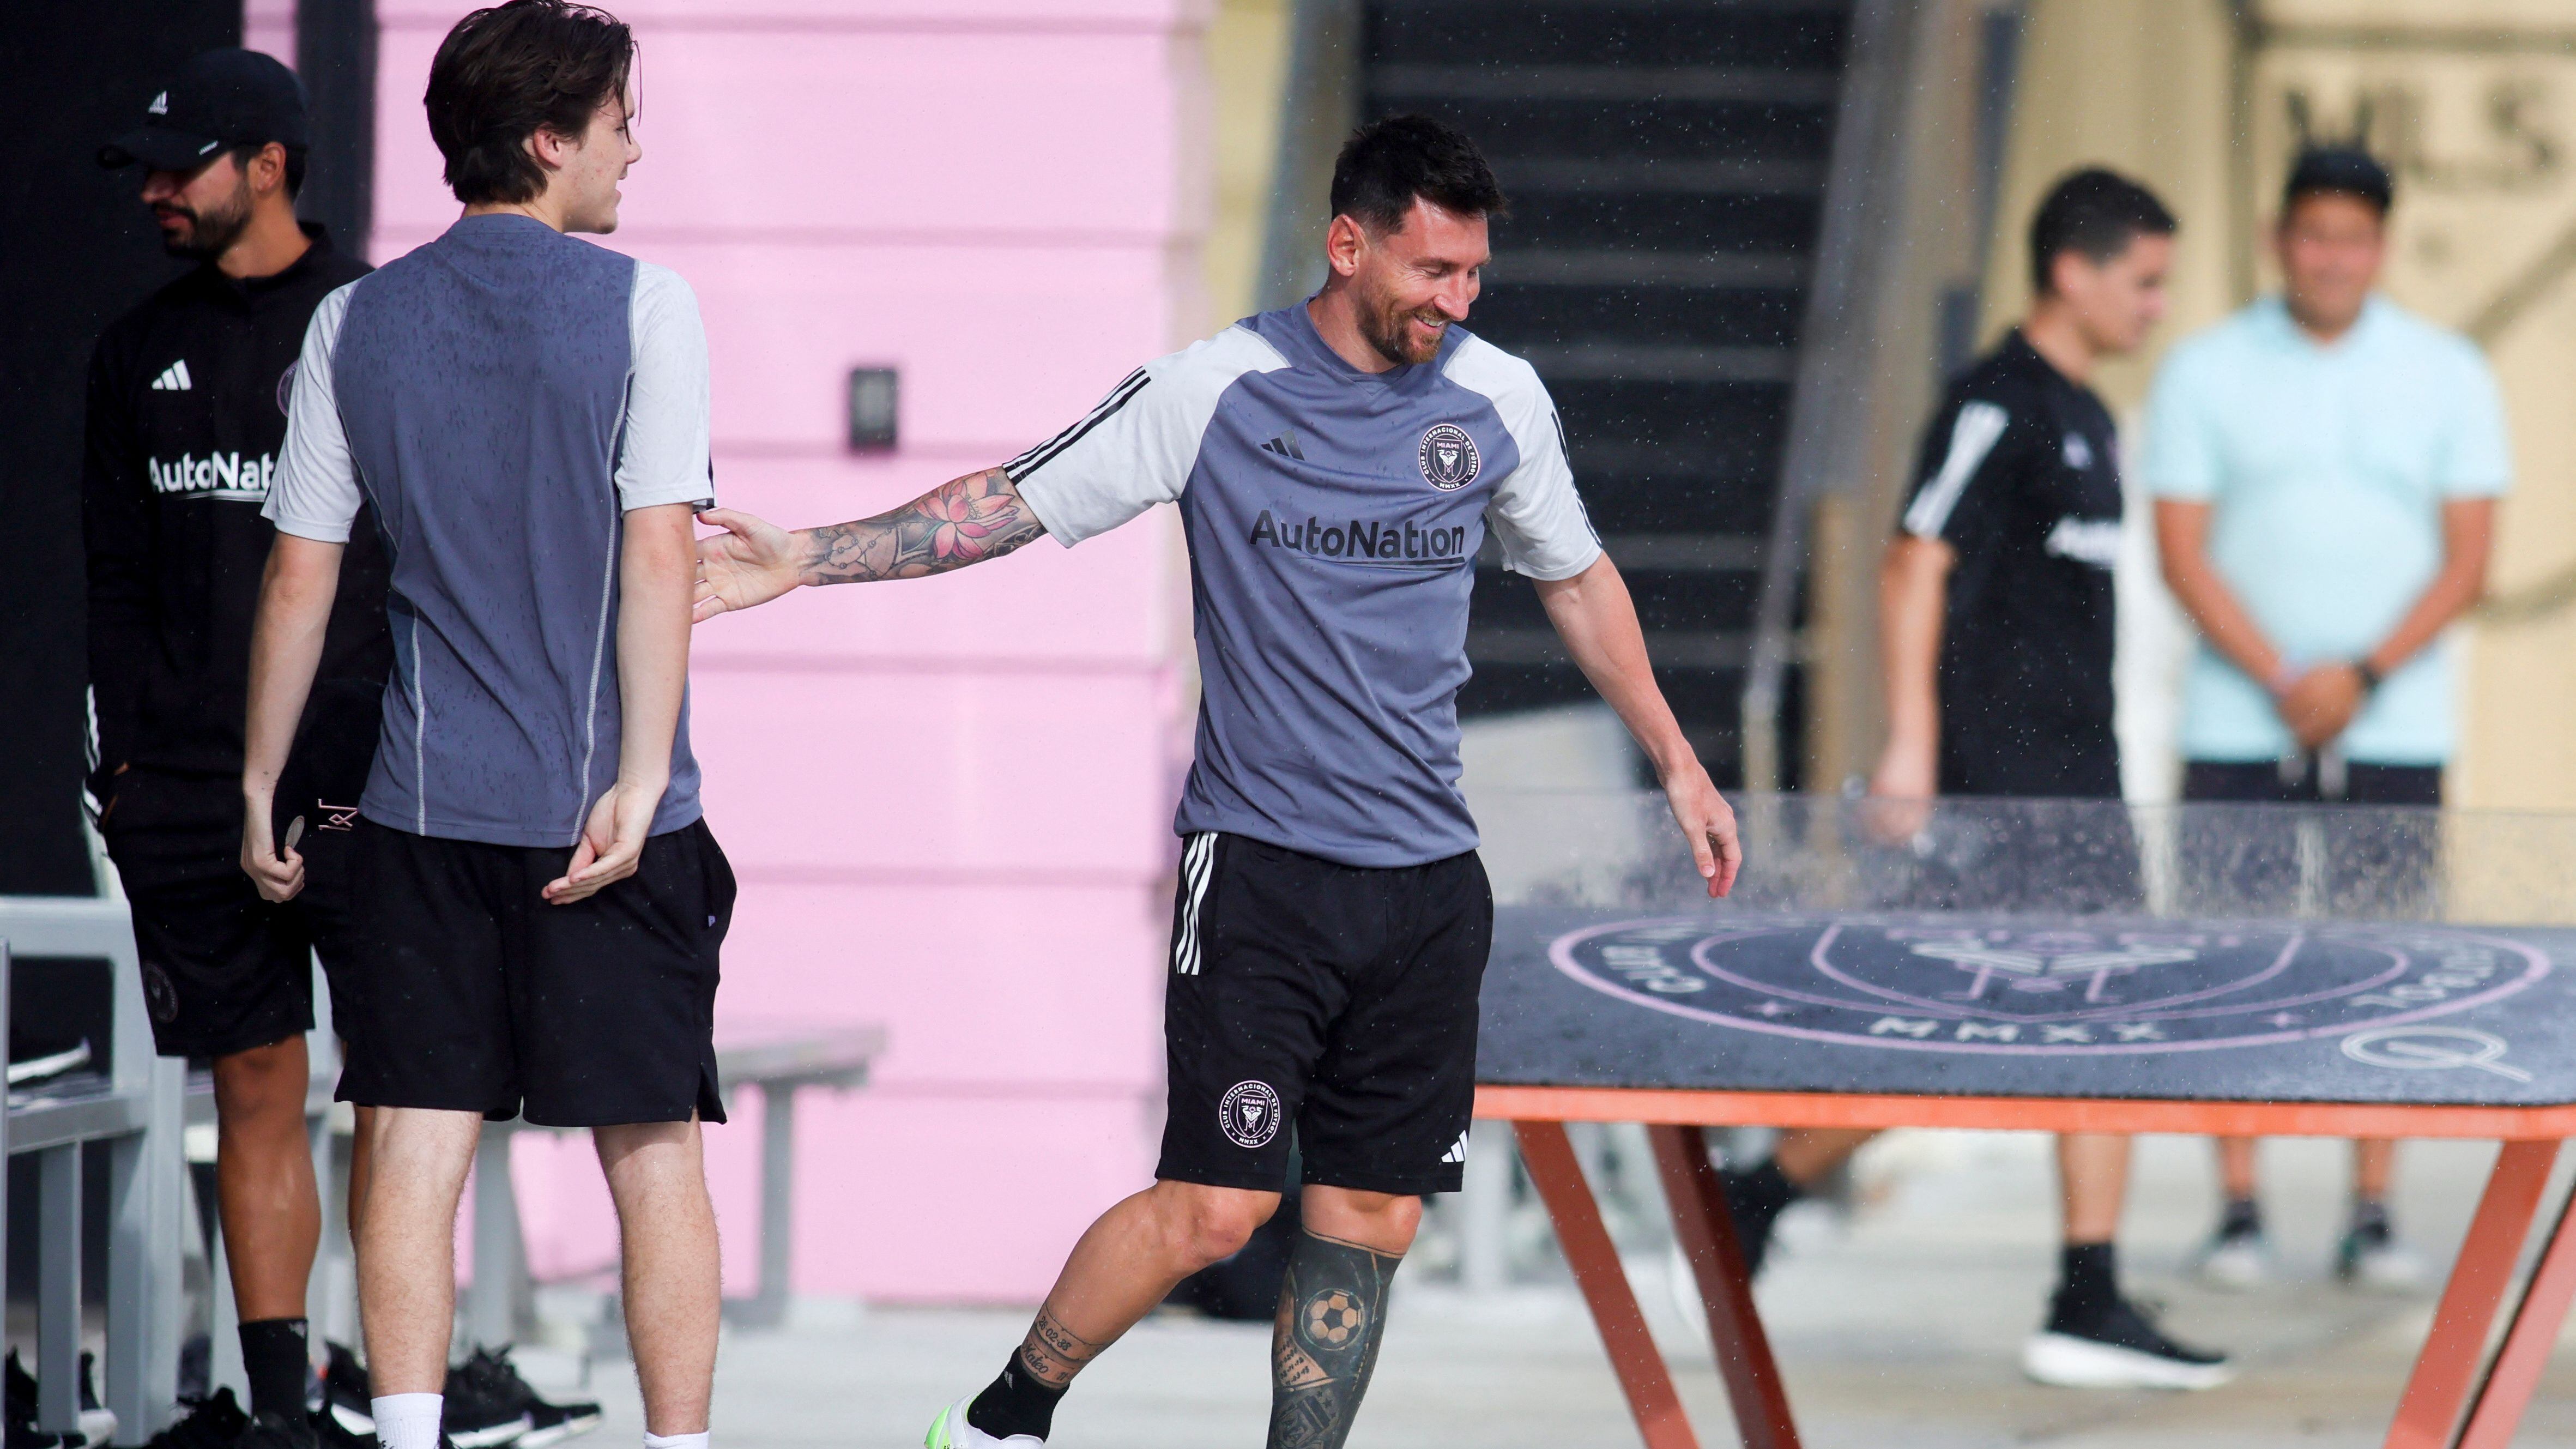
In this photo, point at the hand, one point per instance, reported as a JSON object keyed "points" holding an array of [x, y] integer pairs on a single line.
{"points": [[610, 844], [1708, 823], [752, 562], [2321, 703], [1900, 794], [279, 874]]}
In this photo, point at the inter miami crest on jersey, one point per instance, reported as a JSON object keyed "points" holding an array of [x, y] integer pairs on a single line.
{"points": [[1448, 455]]}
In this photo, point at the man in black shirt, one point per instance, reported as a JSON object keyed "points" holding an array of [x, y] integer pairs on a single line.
{"points": [[1997, 629], [187, 413]]}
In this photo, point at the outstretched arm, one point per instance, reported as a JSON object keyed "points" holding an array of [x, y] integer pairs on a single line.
{"points": [[295, 595], [962, 521], [1598, 622]]}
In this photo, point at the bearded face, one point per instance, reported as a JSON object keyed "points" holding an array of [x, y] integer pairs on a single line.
{"points": [[205, 217]]}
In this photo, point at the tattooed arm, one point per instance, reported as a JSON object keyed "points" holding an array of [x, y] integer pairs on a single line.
{"points": [[963, 521]]}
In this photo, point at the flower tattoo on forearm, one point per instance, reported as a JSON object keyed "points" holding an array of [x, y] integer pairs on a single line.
{"points": [[965, 520]]}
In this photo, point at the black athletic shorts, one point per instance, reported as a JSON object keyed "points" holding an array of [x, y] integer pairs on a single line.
{"points": [[223, 970], [1336, 999], [481, 997]]}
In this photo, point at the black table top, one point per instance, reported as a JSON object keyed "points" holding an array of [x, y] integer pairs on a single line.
{"points": [[1963, 1005]]}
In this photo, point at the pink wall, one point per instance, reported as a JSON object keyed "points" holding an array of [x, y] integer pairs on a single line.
{"points": [[948, 801]]}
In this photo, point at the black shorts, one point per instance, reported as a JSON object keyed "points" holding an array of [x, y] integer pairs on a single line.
{"points": [[223, 970], [481, 997], [1337, 999]]}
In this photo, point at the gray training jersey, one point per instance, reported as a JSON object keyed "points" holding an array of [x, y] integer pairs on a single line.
{"points": [[503, 396], [1333, 519]]}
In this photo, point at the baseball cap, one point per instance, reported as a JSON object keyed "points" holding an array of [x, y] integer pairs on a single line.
{"points": [[222, 98]]}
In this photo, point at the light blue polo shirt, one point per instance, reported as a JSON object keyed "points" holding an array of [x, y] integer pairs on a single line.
{"points": [[2327, 466]]}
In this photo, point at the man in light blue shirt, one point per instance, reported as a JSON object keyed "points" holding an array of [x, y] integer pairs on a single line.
{"points": [[2325, 468]]}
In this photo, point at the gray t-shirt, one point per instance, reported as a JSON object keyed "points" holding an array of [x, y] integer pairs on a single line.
{"points": [[1333, 519], [503, 396]]}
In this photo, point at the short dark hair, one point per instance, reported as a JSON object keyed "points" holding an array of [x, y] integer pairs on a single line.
{"points": [[243, 153], [2096, 214], [509, 71], [1386, 164], [2340, 171]]}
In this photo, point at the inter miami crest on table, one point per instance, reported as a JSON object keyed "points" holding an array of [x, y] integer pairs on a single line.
{"points": [[1449, 458]]}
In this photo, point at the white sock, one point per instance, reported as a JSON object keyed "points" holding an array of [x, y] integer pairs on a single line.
{"points": [[697, 1440], [408, 1421]]}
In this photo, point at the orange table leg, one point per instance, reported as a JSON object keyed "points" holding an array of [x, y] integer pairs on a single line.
{"points": [[2532, 1333], [1706, 1231], [1549, 1158], [2446, 1372]]}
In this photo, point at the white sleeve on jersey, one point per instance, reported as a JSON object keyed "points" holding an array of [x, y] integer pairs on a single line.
{"points": [[1136, 449], [1536, 515], [665, 454], [315, 494]]}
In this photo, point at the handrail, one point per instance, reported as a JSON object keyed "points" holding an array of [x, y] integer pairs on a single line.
{"points": [[1863, 175]]}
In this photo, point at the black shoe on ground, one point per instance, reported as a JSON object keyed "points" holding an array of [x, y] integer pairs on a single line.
{"points": [[21, 1412], [273, 1430], [213, 1422], [2114, 1346], [345, 1415], [478, 1414], [496, 1378]]}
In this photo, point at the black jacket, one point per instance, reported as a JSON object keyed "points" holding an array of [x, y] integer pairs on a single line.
{"points": [[187, 417]]}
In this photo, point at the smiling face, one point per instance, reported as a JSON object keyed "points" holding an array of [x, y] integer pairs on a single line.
{"points": [[1408, 285], [2330, 245], [583, 171]]}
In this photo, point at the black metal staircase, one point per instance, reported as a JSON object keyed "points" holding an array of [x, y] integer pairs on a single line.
{"points": [[1666, 161]]}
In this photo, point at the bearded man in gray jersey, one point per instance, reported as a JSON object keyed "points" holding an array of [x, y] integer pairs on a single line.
{"points": [[1337, 465]]}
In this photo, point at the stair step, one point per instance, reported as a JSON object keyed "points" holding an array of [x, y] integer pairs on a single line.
{"points": [[1606, 267], [1678, 130], [1518, 318], [1661, 362], [1791, 36], [1521, 175], [1692, 650], [1634, 83]]}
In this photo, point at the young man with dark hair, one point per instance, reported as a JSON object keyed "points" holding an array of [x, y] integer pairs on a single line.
{"points": [[1995, 602], [538, 901], [1337, 464], [2326, 467], [187, 414]]}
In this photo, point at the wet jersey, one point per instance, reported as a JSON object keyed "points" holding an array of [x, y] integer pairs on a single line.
{"points": [[2020, 474], [1333, 518]]}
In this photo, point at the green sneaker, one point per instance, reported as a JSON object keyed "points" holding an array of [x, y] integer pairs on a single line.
{"points": [[951, 1431]]}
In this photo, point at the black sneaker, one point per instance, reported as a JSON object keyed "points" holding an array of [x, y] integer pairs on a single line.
{"points": [[477, 1415], [212, 1422], [20, 1409], [345, 1416], [493, 1375], [273, 1430], [2115, 1347]]}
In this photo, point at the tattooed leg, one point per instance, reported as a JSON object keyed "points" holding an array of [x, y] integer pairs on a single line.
{"points": [[1332, 1316], [1052, 1353]]}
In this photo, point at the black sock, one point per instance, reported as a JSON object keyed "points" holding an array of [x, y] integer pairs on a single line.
{"points": [[277, 1358], [2241, 1215], [1015, 1403], [2088, 1279], [1762, 1191], [2370, 1218]]}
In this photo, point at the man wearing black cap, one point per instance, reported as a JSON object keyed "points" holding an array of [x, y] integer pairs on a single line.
{"points": [[2326, 467], [187, 414]]}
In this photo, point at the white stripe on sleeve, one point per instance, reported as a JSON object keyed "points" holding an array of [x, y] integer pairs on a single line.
{"points": [[1980, 426]]}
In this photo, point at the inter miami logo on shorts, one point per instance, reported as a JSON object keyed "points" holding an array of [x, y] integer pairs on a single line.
{"points": [[160, 994], [1448, 456], [1249, 1113]]}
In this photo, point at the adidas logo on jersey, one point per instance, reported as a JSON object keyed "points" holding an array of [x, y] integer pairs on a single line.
{"points": [[173, 378], [1285, 445]]}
